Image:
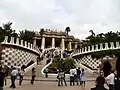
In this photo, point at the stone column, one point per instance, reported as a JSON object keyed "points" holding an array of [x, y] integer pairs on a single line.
{"points": [[43, 43], [34, 42], [106, 46], [53, 42], [6, 39], [12, 40], [70, 46], [17, 41], [75, 45], [21, 42], [63, 44]]}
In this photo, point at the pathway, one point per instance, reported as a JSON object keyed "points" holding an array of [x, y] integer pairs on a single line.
{"points": [[45, 85]]}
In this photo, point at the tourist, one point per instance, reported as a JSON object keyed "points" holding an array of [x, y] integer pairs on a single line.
{"points": [[117, 76], [83, 77], [59, 78], [33, 75], [100, 81], [21, 75], [72, 78], [75, 75], [14, 75], [78, 76], [62, 73], [2, 76], [117, 82], [46, 72], [110, 80], [6, 71]]}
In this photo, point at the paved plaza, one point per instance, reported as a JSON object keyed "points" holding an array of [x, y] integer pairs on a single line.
{"points": [[48, 85]]}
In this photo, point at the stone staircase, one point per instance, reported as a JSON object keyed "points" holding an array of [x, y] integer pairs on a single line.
{"points": [[89, 73], [38, 69]]}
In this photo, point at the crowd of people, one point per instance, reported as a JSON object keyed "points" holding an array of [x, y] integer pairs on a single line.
{"points": [[79, 77], [15, 74], [112, 81], [76, 76]]}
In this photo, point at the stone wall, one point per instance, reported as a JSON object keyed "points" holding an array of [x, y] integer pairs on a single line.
{"points": [[17, 54], [112, 62], [89, 61], [94, 63]]}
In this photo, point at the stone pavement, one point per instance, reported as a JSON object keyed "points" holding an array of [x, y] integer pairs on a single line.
{"points": [[47, 85], [52, 78], [42, 85]]}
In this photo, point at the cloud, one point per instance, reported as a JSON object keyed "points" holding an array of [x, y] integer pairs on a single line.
{"points": [[80, 15]]}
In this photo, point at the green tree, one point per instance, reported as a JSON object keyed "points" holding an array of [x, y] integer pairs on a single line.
{"points": [[68, 64], [64, 64], [27, 35], [41, 32], [102, 38], [6, 30]]}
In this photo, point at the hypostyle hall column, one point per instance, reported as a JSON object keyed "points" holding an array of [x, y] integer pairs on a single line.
{"points": [[53, 42], [63, 44], [34, 42], [43, 43], [70, 46], [75, 45]]}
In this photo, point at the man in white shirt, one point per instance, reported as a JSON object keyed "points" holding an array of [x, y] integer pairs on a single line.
{"points": [[72, 78], [110, 80], [14, 75]]}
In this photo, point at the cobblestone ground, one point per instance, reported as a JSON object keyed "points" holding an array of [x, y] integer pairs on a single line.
{"points": [[45, 85]]}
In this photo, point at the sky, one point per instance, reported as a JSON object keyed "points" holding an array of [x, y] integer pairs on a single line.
{"points": [[80, 15]]}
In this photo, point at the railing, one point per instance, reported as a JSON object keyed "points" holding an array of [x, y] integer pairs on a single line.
{"points": [[96, 48], [21, 43], [54, 54], [30, 67]]}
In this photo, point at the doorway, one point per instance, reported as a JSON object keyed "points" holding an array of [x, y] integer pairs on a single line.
{"points": [[107, 68], [118, 66]]}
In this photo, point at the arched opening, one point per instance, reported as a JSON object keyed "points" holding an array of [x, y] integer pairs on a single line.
{"points": [[118, 66], [107, 68]]}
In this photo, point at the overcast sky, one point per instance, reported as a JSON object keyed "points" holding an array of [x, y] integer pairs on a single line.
{"points": [[79, 15]]}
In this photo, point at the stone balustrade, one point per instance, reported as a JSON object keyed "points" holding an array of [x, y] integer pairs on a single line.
{"points": [[96, 48], [21, 43]]}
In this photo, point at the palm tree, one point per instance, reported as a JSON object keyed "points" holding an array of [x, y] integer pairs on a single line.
{"points": [[92, 33], [7, 26], [67, 30], [41, 32]]}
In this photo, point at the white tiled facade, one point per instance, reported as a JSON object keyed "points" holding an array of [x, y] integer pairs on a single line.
{"points": [[12, 56], [89, 61]]}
